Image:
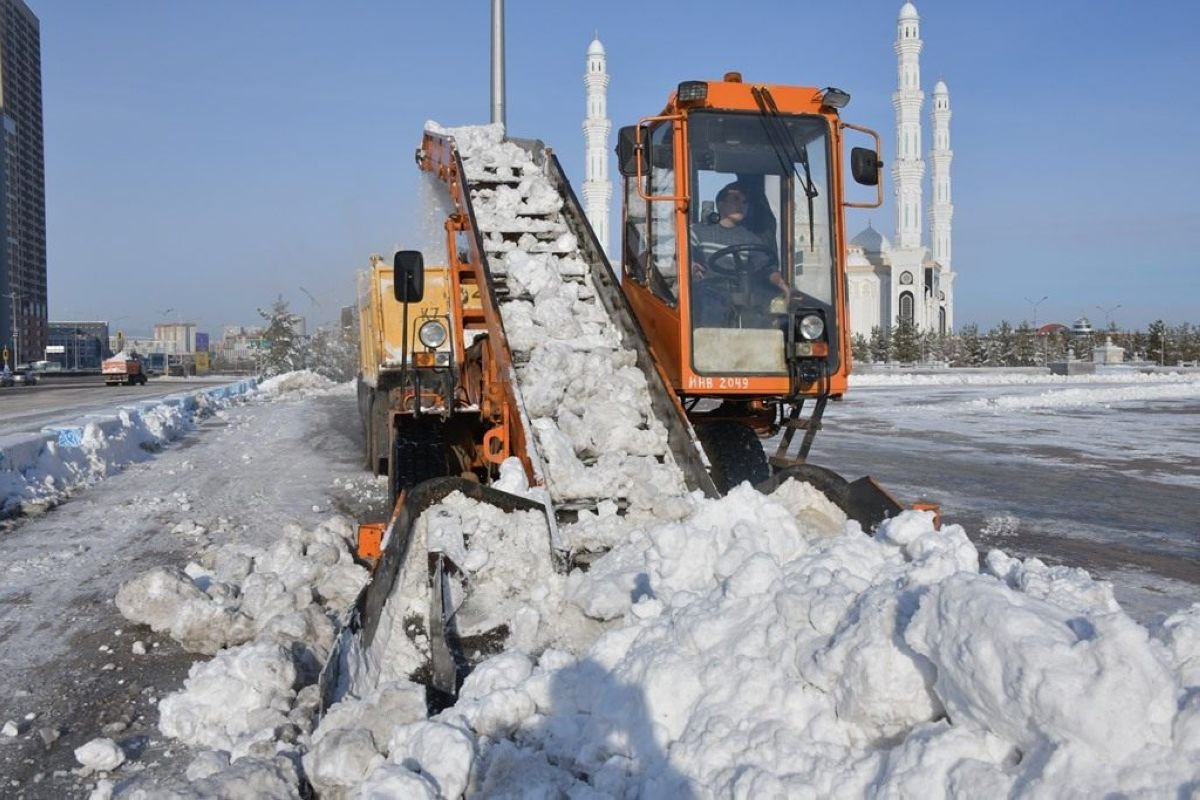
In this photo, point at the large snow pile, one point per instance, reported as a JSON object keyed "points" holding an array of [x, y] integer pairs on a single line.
{"points": [[746, 654], [42, 469]]}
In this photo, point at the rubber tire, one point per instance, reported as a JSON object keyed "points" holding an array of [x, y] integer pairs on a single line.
{"points": [[735, 452], [419, 453]]}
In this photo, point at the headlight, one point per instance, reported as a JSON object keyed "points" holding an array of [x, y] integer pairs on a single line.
{"points": [[812, 327], [432, 334]]}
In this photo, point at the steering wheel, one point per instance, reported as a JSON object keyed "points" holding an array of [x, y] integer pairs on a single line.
{"points": [[739, 261]]}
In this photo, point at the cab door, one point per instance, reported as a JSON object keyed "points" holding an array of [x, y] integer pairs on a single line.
{"points": [[650, 252]]}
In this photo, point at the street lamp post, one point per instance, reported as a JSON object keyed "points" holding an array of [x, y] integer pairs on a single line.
{"points": [[1108, 314], [1035, 304]]}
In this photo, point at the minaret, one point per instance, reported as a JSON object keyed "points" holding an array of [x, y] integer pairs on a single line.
{"points": [[597, 188], [941, 211], [908, 170]]}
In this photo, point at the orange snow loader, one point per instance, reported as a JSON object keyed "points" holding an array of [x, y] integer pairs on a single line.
{"points": [[741, 335]]}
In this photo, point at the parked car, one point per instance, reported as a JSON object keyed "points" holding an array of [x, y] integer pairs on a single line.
{"points": [[27, 376], [6, 377]]}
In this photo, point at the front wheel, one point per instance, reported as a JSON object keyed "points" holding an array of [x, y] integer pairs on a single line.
{"points": [[735, 452]]}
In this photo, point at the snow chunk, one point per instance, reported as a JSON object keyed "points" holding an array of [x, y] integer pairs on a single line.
{"points": [[167, 600], [101, 755], [444, 754], [237, 702]]}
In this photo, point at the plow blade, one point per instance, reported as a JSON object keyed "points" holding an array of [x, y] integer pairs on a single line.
{"points": [[358, 634], [863, 500]]}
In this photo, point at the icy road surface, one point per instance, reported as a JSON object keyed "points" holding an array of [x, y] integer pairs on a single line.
{"points": [[29, 408], [1099, 472]]}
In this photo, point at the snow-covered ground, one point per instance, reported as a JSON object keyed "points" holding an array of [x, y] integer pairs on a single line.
{"points": [[744, 651], [1094, 471]]}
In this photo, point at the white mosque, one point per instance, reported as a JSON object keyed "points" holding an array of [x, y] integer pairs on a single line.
{"points": [[890, 281], [887, 282]]}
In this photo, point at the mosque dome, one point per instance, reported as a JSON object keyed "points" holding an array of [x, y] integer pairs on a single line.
{"points": [[909, 11], [595, 48], [871, 241], [941, 88]]}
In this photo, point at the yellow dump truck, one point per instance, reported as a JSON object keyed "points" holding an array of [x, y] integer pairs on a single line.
{"points": [[407, 364]]}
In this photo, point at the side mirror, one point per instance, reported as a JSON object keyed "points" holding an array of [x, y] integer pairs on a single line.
{"points": [[408, 276], [628, 154], [864, 166]]}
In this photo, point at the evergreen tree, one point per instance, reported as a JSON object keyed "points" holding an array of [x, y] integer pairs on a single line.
{"points": [[860, 348], [1082, 345], [1001, 349], [333, 354], [1055, 346], [1157, 345], [1025, 351], [1140, 344], [933, 347], [284, 349], [878, 346], [972, 352], [906, 344], [1189, 343]]}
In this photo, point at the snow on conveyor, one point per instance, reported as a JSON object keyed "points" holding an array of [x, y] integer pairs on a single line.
{"points": [[586, 399]]}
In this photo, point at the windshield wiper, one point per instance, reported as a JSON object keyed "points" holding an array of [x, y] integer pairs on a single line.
{"points": [[781, 136]]}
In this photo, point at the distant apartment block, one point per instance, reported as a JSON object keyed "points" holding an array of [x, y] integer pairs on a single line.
{"points": [[77, 345], [23, 316], [239, 347], [179, 337]]}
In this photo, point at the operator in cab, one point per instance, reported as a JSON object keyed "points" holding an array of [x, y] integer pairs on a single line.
{"points": [[735, 273]]}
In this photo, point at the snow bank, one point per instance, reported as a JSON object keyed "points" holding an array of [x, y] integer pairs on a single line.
{"points": [[42, 469], [299, 384], [1000, 377], [1088, 396]]}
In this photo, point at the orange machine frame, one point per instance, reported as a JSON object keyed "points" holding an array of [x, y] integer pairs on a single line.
{"points": [[476, 307]]}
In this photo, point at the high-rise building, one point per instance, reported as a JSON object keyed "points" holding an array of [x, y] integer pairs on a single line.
{"points": [[23, 317]]}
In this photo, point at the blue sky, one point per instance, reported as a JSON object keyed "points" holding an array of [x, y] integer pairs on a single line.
{"points": [[207, 156]]}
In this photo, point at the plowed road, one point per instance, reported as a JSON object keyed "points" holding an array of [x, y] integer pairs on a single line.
{"points": [[68, 399]]}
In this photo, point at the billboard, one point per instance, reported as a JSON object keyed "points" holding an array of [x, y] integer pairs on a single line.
{"points": [[201, 342]]}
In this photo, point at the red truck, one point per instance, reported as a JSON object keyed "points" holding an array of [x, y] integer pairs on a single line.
{"points": [[123, 368]]}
